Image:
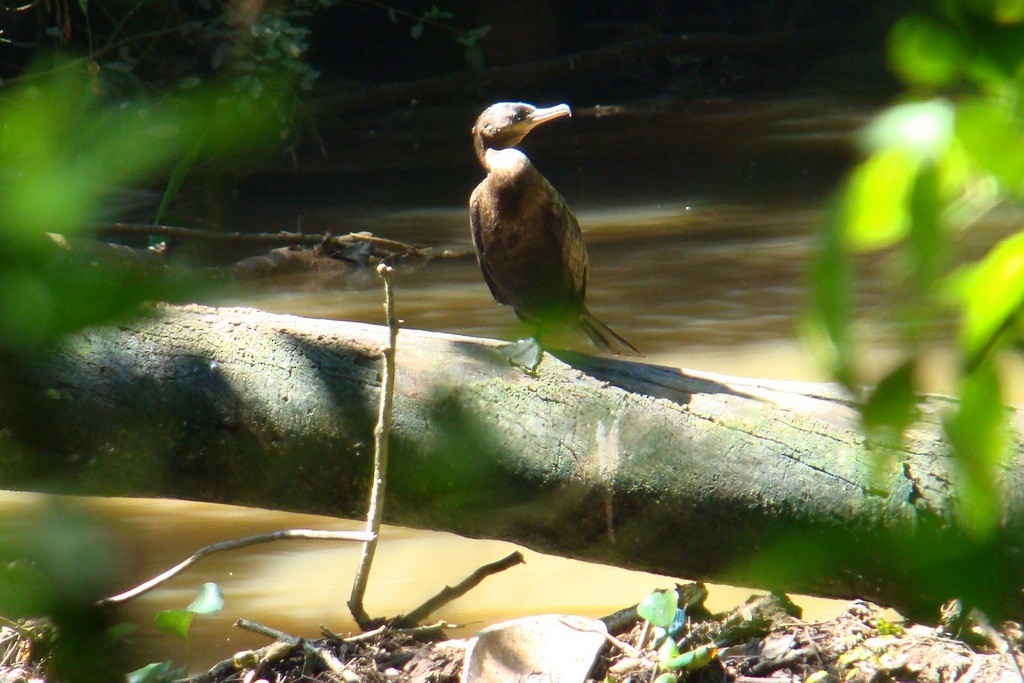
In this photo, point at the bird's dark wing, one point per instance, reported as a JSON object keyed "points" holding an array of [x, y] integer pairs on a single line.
{"points": [[565, 231], [475, 223]]}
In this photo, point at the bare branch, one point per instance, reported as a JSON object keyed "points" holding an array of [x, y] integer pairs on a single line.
{"points": [[279, 238], [381, 434], [284, 535], [449, 593]]}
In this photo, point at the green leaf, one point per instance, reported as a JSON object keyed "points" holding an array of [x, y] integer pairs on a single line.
{"points": [[991, 293], [175, 622], [695, 659], [875, 204], [176, 180], [151, 673], [416, 31], [993, 141], [1008, 11], [891, 407], [923, 52], [659, 607], [668, 649], [473, 35], [84, 6], [925, 239], [121, 631], [980, 439], [831, 283], [924, 128], [209, 601]]}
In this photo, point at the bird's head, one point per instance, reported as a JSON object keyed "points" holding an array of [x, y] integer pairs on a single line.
{"points": [[503, 125]]}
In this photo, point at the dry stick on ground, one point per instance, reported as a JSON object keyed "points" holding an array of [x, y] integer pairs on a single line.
{"points": [[256, 627], [431, 630], [449, 593], [381, 434], [283, 535]]}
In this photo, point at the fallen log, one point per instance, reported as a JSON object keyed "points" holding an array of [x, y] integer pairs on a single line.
{"points": [[762, 483]]}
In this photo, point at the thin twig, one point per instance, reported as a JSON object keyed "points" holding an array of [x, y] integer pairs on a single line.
{"points": [[621, 644], [381, 434], [274, 652], [255, 627], [330, 660], [284, 535], [1010, 650], [449, 593], [414, 631]]}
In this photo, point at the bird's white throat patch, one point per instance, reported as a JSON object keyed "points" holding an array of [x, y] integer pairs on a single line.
{"points": [[505, 160]]}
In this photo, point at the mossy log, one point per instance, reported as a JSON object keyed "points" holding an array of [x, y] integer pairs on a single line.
{"points": [[762, 483]]}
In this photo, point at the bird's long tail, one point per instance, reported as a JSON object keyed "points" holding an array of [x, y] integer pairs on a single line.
{"points": [[604, 337]]}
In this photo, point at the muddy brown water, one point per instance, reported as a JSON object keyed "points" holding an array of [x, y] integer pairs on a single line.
{"points": [[697, 257]]}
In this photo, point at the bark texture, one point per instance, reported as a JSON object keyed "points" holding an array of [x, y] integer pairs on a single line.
{"points": [[757, 482]]}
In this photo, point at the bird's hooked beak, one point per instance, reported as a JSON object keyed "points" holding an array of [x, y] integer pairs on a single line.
{"points": [[540, 116]]}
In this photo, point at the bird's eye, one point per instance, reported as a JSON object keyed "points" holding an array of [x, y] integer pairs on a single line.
{"points": [[518, 116]]}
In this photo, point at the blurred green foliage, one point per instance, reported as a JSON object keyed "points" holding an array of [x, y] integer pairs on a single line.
{"points": [[949, 152], [56, 565], [64, 149]]}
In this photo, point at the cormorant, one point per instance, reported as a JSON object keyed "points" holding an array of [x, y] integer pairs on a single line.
{"points": [[528, 241]]}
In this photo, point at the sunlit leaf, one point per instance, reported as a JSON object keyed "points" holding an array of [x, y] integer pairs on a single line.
{"points": [[693, 660], [993, 140], [175, 622], [659, 607], [924, 128], [209, 601], [980, 439], [990, 293], [668, 650], [875, 204], [1008, 11], [151, 673], [924, 52], [891, 406]]}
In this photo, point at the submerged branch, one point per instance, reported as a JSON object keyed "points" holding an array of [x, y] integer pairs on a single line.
{"points": [[283, 238]]}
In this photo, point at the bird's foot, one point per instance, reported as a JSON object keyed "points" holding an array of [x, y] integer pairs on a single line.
{"points": [[525, 353]]}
